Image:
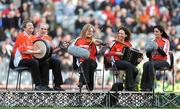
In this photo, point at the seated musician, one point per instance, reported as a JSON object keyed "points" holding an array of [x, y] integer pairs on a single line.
{"points": [[53, 61], [116, 51], [23, 54], [157, 58], [89, 65]]}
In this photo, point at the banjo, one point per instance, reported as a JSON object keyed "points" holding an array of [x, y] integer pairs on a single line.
{"points": [[46, 49]]}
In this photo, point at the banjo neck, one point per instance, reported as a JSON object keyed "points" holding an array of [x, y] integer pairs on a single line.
{"points": [[63, 45]]}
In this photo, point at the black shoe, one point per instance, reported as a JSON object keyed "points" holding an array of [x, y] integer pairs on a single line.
{"points": [[43, 88], [130, 89], [39, 88], [146, 90], [47, 88], [117, 87], [58, 89], [90, 87]]}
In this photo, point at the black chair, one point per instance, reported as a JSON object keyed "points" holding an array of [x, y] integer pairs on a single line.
{"points": [[19, 70], [79, 69], [96, 74], [164, 69], [118, 75]]}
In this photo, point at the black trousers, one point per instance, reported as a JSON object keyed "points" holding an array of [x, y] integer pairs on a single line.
{"points": [[33, 65], [89, 66], [54, 64], [131, 73], [149, 68], [44, 70]]}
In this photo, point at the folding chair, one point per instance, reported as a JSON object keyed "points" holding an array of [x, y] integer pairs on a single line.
{"points": [[96, 74], [19, 70], [164, 69], [79, 69], [118, 75]]}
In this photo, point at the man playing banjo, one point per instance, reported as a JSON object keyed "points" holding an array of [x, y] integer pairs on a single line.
{"points": [[23, 55], [53, 62]]}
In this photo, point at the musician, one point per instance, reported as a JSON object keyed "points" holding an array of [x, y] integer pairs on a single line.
{"points": [[53, 61], [116, 51], [157, 58], [23, 54], [89, 65]]}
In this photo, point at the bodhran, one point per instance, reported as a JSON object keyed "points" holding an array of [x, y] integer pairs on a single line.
{"points": [[46, 49]]}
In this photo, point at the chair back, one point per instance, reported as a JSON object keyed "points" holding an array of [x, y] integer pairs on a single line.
{"points": [[75, 66], [171, 60], [107, 63], [11, 64]]}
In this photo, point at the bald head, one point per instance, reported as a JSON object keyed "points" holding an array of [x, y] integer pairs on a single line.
{"points": [[43, 29]]}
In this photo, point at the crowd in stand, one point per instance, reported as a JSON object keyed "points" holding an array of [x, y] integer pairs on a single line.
{"points": [[67, 17]]}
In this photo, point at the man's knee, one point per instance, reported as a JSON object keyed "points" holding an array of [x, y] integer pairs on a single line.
{"points": [[147, 64], [35, 62]]}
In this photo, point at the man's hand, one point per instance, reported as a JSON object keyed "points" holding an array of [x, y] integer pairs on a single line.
{"points": [[39, 51]]}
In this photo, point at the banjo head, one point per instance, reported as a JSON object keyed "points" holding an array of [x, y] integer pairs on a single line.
{"points": [[45, 49]]}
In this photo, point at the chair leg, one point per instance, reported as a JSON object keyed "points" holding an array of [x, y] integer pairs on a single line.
{"points": [[17, 83], [173, 82], [32, 82], [20, 80], [115, 74], [153, 89], [32, 86], [71, 77], [80, 94], [96, 75], [103, 78], [164, 74], [7, 80]]}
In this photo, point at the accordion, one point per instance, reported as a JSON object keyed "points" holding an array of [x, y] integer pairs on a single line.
{"points": [[132, 55]]}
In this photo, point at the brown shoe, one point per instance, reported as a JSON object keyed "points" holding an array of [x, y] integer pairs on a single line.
{"points": [[80, 85]]}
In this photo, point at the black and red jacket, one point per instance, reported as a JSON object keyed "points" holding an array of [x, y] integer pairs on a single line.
{"points": [[117, 47], [164, 44]]}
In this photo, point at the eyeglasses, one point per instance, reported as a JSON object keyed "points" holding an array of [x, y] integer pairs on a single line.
{"points": [[43, 28]]}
